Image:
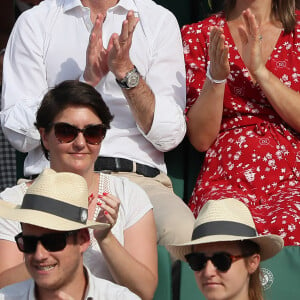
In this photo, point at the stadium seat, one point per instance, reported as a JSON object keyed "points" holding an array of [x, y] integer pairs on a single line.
{"points": [[281, 275], [164, 287]]}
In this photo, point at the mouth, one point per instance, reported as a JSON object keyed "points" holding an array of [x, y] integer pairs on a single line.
{"points": [[45, 268]]}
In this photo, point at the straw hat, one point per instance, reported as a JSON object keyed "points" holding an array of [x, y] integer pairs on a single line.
{"points": [[57, 201], [227, 220]]}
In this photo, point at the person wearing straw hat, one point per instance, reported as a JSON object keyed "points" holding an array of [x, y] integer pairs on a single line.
{"points": [[54, 219], [225, 251], [73, 121]]}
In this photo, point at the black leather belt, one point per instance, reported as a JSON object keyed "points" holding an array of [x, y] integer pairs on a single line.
{"points": [[117, 164]]}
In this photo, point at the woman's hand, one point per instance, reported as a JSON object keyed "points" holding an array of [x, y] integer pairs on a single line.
{"points": [[218, 54], [251, 44], [109, 213]]}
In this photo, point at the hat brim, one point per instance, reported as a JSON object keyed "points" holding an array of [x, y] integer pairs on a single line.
{"points": [[269, 244], [43, 219]]}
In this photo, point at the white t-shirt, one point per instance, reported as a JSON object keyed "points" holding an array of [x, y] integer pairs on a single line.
{"points": [[134, 204]]}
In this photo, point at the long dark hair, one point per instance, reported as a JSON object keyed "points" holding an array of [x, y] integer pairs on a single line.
{"points": [[66, 94], [282, 10]]}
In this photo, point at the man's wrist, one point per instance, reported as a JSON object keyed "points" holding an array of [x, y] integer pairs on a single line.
{"points": [[130, 80]]}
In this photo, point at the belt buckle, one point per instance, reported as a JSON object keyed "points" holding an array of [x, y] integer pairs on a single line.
{"points": [[118, 165]]}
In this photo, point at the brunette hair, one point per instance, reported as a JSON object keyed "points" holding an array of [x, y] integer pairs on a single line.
{"points": [[282, 10], [67, 94], [255, 290]]}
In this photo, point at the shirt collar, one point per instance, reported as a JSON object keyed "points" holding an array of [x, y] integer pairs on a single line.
{"points": [[31, 295], [126, 4], [70, 4], [90, 288]]}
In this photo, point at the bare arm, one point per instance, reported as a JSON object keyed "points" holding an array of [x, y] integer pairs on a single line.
{"points": [[135, 264], [204, 117], [12, 267], [284, 100]]}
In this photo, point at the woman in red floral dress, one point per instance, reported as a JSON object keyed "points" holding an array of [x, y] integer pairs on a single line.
{"points": [[243, 79]]}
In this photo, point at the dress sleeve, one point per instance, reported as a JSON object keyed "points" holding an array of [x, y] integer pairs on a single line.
{"points": [[135, 201]]}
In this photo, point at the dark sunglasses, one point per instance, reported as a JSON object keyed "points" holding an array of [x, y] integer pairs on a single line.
{"points": [[221, 260], [51, 242], [66, 133]]}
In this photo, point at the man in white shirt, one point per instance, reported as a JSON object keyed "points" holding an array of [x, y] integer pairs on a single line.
{"points": [[131, 52], [54, 237]]}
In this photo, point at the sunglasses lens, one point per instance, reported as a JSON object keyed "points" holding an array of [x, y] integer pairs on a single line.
{"points": [[54, 241], [26, 244], [65, 133], [222, 261], [197, 261], [94, 134]]}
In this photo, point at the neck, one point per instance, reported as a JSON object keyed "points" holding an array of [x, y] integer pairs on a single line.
{"points": [[98, 6], [261, 10]]}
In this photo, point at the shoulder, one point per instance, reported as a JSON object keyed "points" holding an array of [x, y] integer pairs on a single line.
{"points": [[151, 9], [14, 194], [202, 27], [155, 19], [19, 290], [38, 15], [103, 289]]}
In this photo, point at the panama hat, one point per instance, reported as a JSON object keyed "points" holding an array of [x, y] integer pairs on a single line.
{"points": [[57, 201], [227, 220]]}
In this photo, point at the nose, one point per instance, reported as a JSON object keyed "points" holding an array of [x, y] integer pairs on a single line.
{"points": [[40, 252], [79, 141], [209, 269]]}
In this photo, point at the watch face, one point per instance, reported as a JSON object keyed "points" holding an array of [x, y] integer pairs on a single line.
{"points": [[133, 80]]}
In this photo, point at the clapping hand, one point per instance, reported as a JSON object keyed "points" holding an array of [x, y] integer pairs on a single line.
{"points": [[114, 58], [218, 54]]}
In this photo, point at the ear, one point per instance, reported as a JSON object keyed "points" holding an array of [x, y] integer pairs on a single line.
{"points": [[44, 137], [83, 238], [253, 263]]}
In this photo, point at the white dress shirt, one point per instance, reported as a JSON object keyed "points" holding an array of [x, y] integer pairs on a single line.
{"points": [[97, 289], [48, 45]]}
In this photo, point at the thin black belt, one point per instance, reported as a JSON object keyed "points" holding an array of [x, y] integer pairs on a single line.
{"points": [[117, 164]]}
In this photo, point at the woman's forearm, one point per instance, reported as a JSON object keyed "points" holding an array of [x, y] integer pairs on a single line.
{"points": [[204, 117]]}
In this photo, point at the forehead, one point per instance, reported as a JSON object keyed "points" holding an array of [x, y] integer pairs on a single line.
{"points": [[28, 229], [208, 248], [72, 112]]}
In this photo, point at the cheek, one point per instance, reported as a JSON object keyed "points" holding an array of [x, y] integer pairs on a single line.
{"points": [[198, 279]]}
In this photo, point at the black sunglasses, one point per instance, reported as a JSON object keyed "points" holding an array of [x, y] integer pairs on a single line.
{"points": [[221, 260], [66, 133], [51, 242]]}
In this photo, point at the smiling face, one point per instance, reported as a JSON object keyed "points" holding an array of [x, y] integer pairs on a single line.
{"points": [[230, 285], [77, 156], [54, 271]]}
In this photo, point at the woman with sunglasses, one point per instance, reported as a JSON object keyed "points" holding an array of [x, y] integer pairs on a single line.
{"points": [[225, 251], [72, 121]]}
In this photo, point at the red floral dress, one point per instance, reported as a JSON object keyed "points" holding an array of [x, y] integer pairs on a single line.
{"points": [[256, 156]]}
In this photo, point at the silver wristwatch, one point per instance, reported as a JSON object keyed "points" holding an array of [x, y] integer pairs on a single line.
{"points": [[130, 80]]}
